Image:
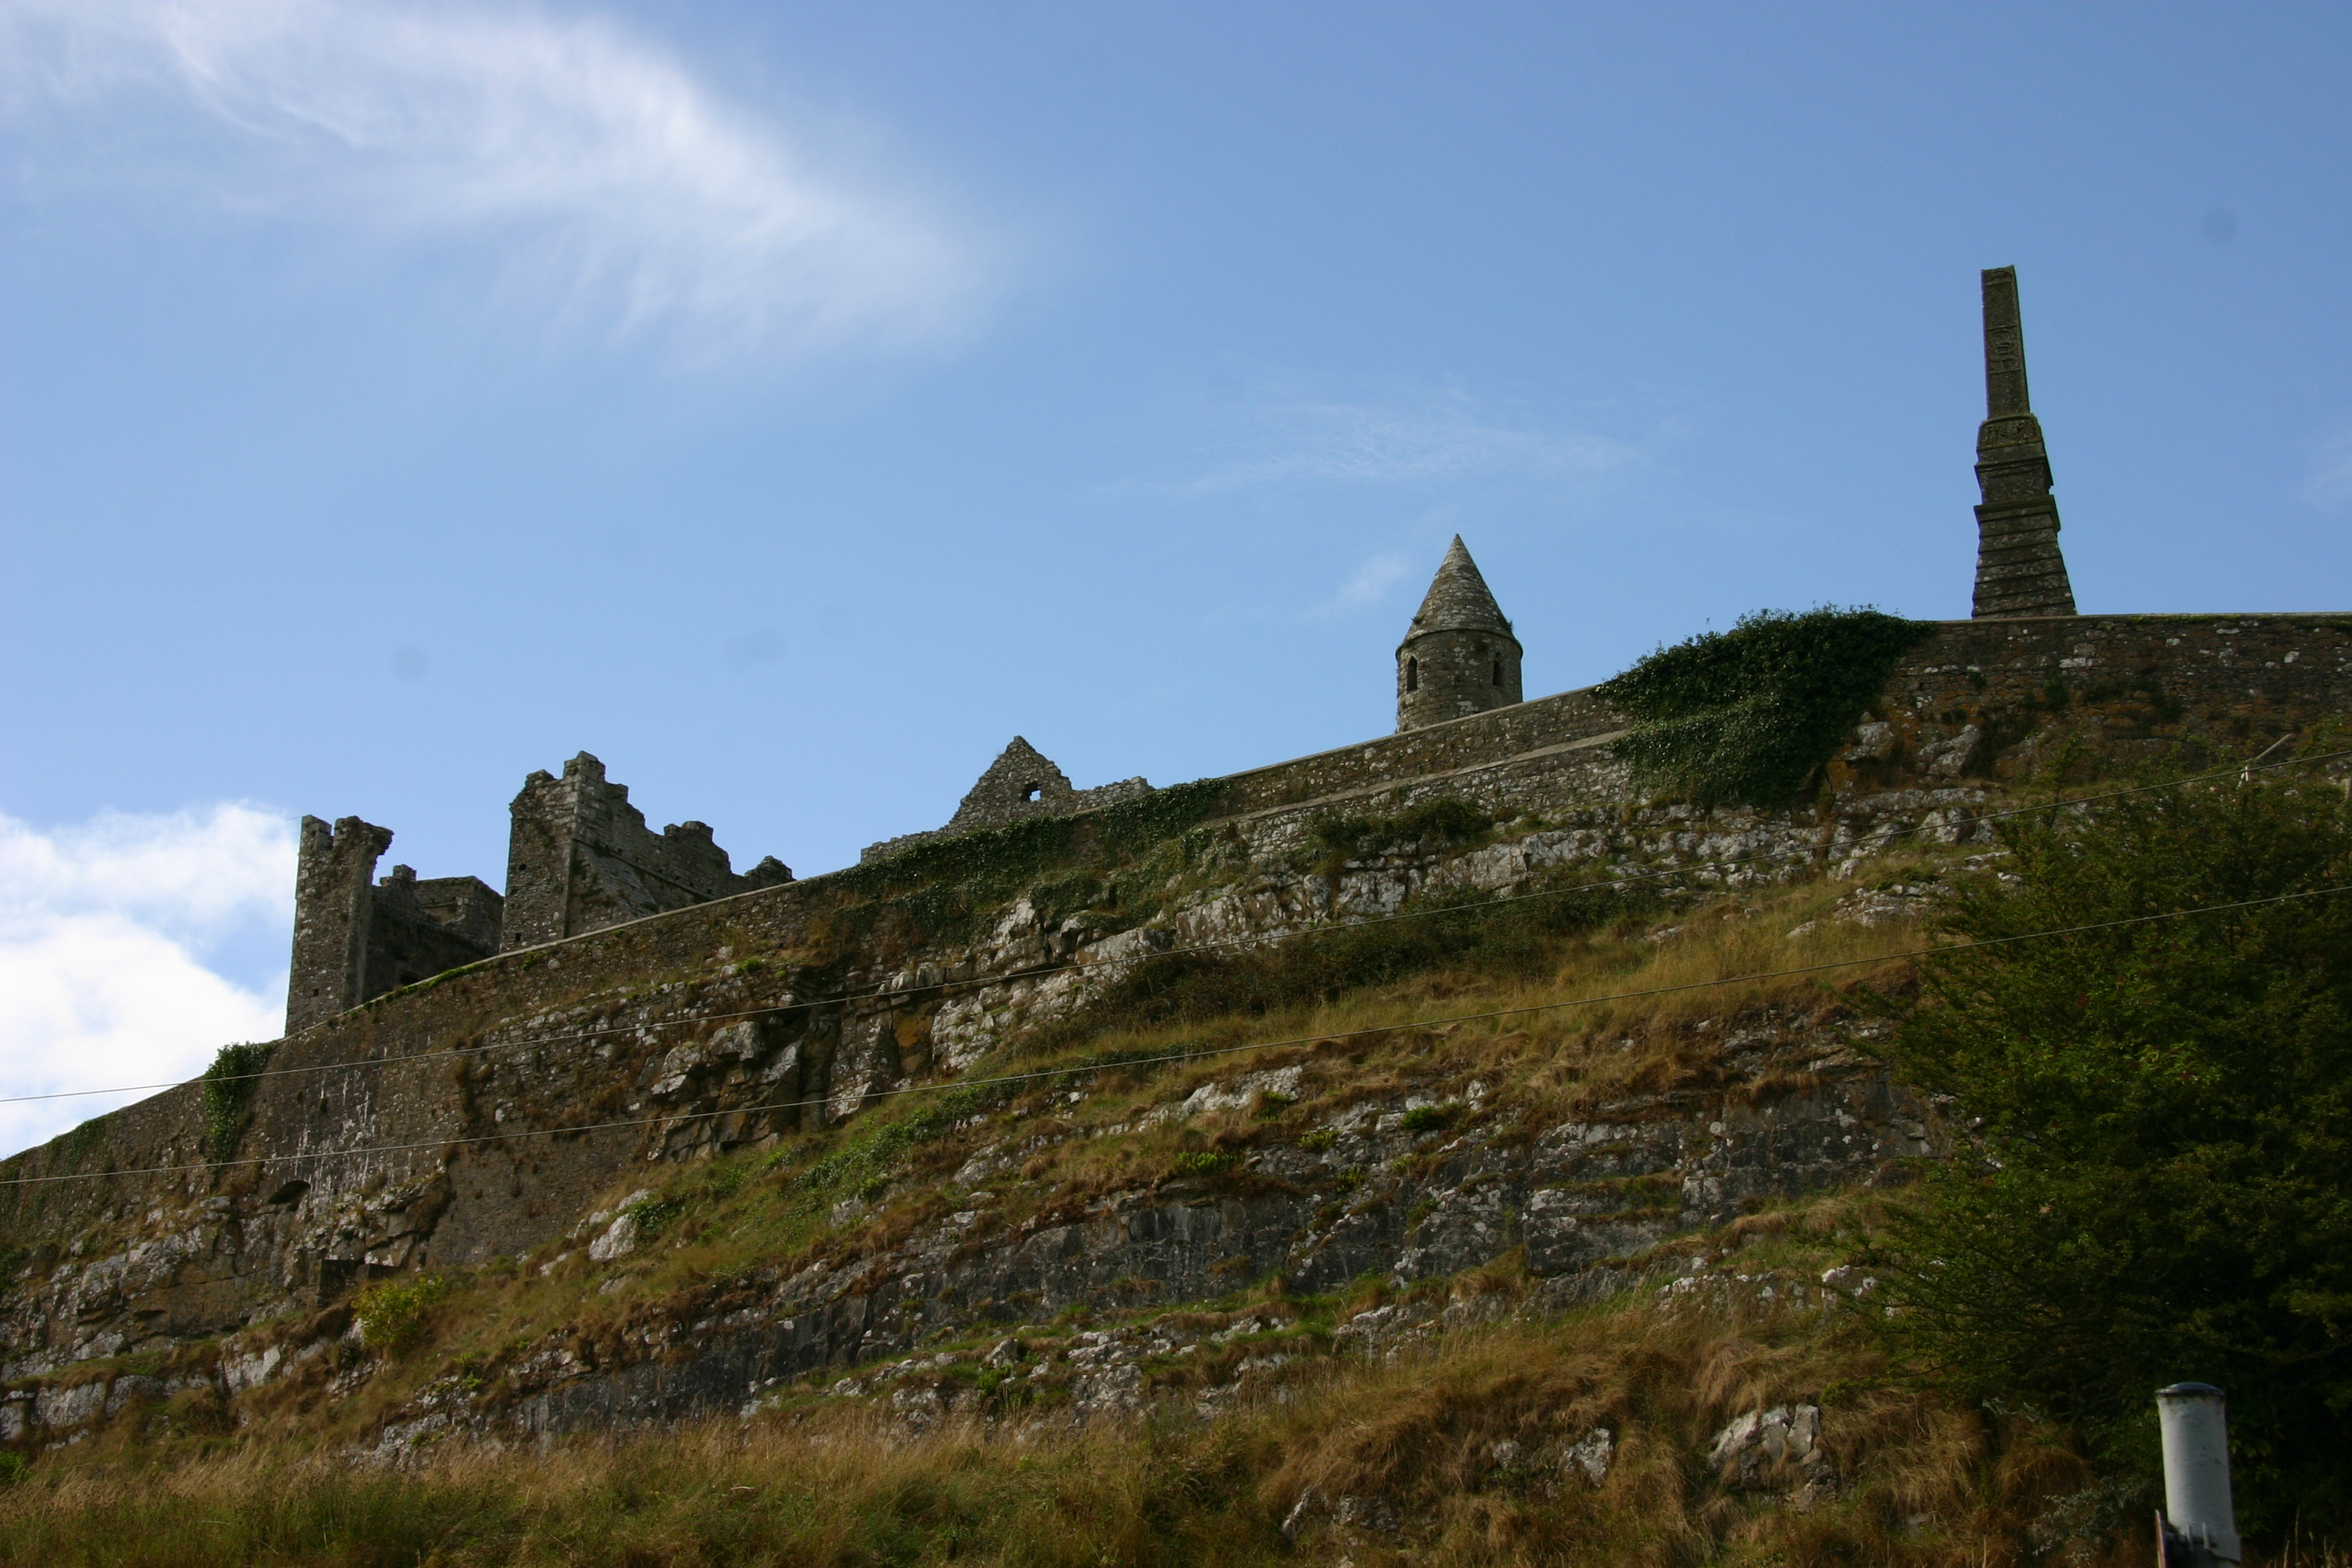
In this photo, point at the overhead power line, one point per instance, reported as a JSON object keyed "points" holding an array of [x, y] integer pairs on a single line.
{"points": [[1040, 972], [1184, 1056]]}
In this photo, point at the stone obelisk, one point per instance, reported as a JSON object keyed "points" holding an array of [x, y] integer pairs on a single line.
{"points": [[2019, 569]]}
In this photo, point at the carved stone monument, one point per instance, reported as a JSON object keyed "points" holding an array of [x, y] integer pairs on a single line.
{"points": [[2019, 569]]}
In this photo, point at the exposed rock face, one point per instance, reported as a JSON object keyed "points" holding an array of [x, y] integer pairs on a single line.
{"points": [[482, 1116], [1420, 1183]]}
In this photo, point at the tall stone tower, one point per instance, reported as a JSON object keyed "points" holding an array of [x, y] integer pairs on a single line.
{"points": [[1458, 657], [2019, 569]]}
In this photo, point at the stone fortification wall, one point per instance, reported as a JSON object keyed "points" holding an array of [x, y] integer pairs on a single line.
{"points": [[1479, 741], [422, 928], [2006, 699], [581, 857], [745, 1018], [1964, 702], [355, 937]]}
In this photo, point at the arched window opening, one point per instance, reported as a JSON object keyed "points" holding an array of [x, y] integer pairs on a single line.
{"points": [[1032, 791], [1413, 675], [1499, 672]]}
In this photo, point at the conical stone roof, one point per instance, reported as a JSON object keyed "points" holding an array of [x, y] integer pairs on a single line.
{"points": [[1458, 599]]}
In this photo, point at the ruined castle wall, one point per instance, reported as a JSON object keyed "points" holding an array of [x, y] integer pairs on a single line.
{"points": [[652, 1021], [465, 905], [334, 907], [2134, 685], [410, 940], [1482, 738], [580, 857], [355, 937]]}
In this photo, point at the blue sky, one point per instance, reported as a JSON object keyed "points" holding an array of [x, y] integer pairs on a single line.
{"points": [[791, 404]]}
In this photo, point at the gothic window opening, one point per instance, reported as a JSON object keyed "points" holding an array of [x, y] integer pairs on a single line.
{"points": [[1498, 678], [1413, 675]]}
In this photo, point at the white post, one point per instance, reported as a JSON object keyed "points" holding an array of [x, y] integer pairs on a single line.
{"points": [[2197, 1467]]}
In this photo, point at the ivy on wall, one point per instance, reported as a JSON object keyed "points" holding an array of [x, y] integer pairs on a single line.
{"points": [[942, 881], [1749, 716], [228, 1096]]}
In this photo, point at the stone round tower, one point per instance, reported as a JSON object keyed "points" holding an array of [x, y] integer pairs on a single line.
{"points": [[1458, 657]]}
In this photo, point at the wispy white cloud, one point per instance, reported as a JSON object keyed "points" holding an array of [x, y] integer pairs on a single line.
{"points": [[1438, 439], [105, 930], [615, 187], [1366, 587], [2330, 484]]}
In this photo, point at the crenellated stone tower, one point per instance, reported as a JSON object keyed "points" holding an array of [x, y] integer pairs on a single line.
{"points": [[357, 937], [1459, 656], [2019, 569]]}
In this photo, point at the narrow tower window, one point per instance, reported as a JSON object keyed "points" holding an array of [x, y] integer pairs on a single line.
{"points": [[1413, 675], [1498, 678]]}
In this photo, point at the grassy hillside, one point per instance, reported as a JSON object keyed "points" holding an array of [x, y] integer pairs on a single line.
{"points": [[1736, 1404]]}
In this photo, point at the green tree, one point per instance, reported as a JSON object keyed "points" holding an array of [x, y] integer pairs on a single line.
{"points": [[2155, 1177]]}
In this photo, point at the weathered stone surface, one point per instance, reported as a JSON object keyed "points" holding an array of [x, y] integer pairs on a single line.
{"points": [[580, 857], [1022, 784], [2019, 571], [354, 939], [1459, 656]]}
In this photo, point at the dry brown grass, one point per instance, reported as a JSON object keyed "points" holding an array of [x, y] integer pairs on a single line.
{"points": [[1374, 1042], [1920, 1482]]}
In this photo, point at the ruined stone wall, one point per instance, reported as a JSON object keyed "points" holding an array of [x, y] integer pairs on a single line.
{"points": [[2138, 686], [354, 938], [2006, 699], [744, 1018], [1022, 784], [580, 857], [417, 930], [333, 906]]}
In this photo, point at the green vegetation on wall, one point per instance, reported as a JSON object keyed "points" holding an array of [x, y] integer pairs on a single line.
{"points": [[1501, 937], [1749, 717], [944, 880], [228, 1097], [391, 1312], [1441, 824]]}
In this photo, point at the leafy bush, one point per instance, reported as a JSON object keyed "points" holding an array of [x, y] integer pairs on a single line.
{"points": [[2159, 1184], [1203, 1162], [229, 1085], [1431, 1118], [652, 1215], [872, 1151], [1446, 820], [1750, 715], [391, 1312]]}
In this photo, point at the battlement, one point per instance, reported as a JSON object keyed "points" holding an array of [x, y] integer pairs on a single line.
{"points": [[355, 937], [580, 857]]}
